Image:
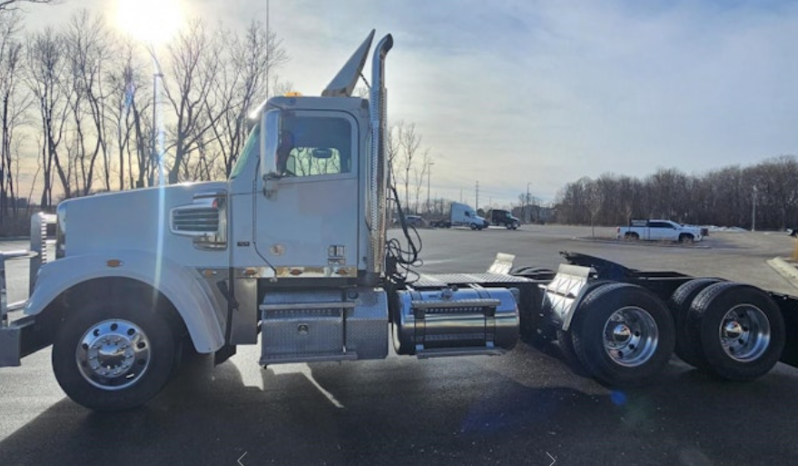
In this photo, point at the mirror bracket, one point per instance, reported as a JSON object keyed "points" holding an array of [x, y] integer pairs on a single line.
{"points": [[270, 182]]}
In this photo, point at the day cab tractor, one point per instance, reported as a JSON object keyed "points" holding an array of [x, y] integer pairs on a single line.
{"points": [[291, 252]]}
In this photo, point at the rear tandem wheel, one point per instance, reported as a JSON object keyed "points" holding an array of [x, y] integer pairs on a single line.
{"points": [[740, 330], [622, 334]]}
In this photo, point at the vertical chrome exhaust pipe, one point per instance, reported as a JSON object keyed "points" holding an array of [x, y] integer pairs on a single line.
{"points": [[379, 172]]}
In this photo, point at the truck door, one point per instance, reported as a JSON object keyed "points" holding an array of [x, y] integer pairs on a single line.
{"points": [[307, 225], [660, 231]]}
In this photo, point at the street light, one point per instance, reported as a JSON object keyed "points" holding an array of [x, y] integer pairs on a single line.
{"points": [[526, 205], [753, 211], [429, 174], [152, 22]]}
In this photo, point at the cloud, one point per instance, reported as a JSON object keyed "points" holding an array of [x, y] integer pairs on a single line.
{"points": [[544, 92]]}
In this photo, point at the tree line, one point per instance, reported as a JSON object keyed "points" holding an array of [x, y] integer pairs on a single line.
{"points": [[763, 196], [77, 113]]}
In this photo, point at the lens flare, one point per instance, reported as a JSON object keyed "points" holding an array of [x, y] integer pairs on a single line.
{"points": [[151, 21]]}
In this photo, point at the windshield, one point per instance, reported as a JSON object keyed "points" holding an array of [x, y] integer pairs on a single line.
{"points": [[251, 147]]}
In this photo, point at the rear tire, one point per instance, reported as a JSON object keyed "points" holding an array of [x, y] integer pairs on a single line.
{"points": [[565, 342], [623, 334], [740, 328], [114, 355], [688, 345], [564, 338], [631, 237]]}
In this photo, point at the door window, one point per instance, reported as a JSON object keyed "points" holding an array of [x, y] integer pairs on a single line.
{"points": [[314, 146]]}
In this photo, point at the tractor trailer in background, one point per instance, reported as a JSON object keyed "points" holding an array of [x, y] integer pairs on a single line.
{"points": [[291, 253], [461, 215], [503, 218]]}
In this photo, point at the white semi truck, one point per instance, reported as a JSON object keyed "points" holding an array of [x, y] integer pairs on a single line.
{"points": [[461, 215], [292, 252]]}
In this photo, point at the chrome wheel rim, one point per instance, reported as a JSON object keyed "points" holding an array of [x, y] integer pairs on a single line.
{"points": [[113, 354], [744, 333], [630, 336]]}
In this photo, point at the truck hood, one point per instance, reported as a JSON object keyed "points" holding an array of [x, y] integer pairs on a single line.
{"points": [[137, 219]]}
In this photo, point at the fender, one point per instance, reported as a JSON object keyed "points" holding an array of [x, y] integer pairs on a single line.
{"points": [[183, 287]]}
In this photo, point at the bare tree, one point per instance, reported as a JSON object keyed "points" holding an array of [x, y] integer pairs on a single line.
{"points": [[47, 79], [241, 86], [420, 171], [409, 143], [123, 76], [194, 70], [13, 105], [13, 5], [87, 49]]}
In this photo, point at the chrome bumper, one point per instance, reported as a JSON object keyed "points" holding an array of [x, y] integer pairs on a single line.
{"points": [[15, 342], [10, 333]]}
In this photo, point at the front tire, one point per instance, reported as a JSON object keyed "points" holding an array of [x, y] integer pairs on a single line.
{"points": [[113, 355]]}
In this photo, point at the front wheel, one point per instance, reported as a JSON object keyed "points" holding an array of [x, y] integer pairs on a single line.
{"points": [[473, 226], [113, 356]]}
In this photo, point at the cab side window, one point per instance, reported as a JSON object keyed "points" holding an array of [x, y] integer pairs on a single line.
{"points": [[314, 146]]}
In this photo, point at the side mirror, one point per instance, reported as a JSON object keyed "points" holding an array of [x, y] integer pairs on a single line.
{"points": [[269, 143]]}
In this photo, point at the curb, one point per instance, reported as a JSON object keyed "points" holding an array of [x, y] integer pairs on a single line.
{"points": [[789, 272], [652, 244]]}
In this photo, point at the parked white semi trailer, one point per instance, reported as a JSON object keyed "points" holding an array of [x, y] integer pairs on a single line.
{"points": [[291, 252]]}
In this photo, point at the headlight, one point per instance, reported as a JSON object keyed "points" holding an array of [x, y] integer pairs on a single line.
{"points": [[60, 231]]}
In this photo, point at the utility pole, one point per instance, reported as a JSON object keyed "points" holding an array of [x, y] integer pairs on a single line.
{"points": [[476, 207]]}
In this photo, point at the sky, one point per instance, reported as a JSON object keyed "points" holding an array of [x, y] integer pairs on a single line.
{"points": [[525, 93]]}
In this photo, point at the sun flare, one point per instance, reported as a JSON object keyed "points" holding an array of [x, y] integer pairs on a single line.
{"points": [[151, 21]]}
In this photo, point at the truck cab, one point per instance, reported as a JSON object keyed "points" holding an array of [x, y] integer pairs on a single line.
{"points": [[500, 217], [465, 216]]}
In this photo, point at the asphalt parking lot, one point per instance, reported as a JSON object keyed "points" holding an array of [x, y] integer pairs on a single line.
{"points": [[525, 407]]}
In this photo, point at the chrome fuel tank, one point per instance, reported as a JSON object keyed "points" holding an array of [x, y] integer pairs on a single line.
{"points": [[454, 321]]}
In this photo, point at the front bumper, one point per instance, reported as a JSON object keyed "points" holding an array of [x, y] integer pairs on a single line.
{"points": [[15, 341]]}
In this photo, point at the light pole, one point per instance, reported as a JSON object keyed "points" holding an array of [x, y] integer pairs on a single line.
{"points": [[526, 204], [429, 174], [753, 211], [136, 18], [157, 119]]}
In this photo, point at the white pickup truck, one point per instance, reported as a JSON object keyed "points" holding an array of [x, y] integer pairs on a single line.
{"points": [[659, 230]]}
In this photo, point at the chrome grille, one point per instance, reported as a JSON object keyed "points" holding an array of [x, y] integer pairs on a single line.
{"points": [[199, 220]]}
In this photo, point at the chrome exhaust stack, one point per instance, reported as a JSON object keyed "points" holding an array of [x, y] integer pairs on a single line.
{"points": [[379, 171]]}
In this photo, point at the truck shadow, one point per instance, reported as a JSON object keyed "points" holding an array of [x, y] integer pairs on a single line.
{"points": [[403, 411]]}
